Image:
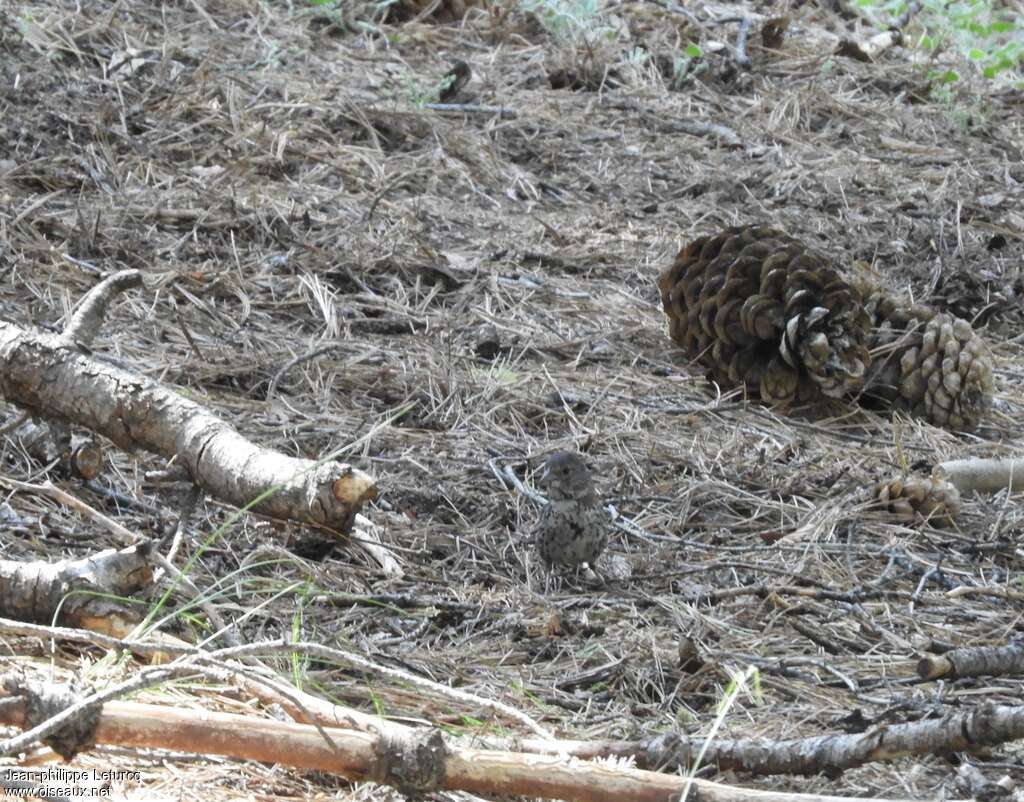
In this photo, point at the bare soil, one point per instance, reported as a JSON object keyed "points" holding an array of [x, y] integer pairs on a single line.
{"points": [[486, 284]]}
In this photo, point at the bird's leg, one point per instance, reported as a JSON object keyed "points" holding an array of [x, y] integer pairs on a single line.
{"points": [[552, 581]]}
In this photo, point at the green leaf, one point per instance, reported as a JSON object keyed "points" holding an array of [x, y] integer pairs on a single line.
{"points": [[976, 55], [1001, 27], [993, 70], [693, 51], [948, 77]]}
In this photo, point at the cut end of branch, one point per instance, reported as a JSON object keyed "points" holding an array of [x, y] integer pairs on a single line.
{"points": [[354, 487], [932, 667]]}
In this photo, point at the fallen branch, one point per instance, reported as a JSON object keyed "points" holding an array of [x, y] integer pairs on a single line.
{"points": [[53, 443], [81, 592], [822, 754], [982, 475], [55, 377], [416, 763], [34, 580], [982, 661], [829, 754]]}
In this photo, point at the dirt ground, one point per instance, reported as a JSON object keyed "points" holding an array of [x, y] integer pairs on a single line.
{"points": [[484, 280]]}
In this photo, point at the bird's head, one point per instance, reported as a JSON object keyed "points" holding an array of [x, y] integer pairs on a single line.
{"points": [[566, 476]]}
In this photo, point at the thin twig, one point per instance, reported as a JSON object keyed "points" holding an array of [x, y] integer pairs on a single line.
{"points": [[471, 108], [327, 653]]}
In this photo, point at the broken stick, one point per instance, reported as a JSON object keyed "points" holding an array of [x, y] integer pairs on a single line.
{"points": [[55, 376]]}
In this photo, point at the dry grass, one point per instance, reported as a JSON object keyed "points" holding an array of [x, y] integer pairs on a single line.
{"points": [[282, 189]]}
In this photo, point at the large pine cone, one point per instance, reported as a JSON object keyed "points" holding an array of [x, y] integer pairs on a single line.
{"points": [[760, 309], [930, 363]]}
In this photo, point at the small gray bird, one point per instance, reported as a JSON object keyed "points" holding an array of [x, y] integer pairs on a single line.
{"points": [[573, 527]]}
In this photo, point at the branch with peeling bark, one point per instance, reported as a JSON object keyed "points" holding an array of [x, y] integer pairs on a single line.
{"points": [[830, 755], [823, 754], [54, 376], [373, 748], [80, 591], [420, 761], [979, 661]]}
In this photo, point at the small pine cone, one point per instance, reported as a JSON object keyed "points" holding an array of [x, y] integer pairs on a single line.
{"points": [[929, 363], [758, 308], [916, 498]]}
